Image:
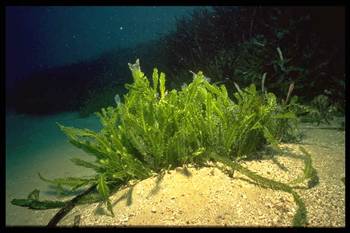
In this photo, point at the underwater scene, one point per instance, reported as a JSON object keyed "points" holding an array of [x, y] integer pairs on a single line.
{"points": [[191, 116]]}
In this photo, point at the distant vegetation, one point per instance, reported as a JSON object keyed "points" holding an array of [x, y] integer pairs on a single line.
{"points": [[300, 45]]}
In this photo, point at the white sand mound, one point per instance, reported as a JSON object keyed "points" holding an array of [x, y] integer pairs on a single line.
{"points": [[205, 196]]}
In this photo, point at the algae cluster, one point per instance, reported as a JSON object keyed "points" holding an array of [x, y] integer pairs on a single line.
{"points": [[154, 129]]}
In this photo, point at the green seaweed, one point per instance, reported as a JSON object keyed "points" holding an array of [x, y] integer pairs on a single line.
{"points": [[38, 205], [155, 129], [309, 172], [72, 182], [32, 202], [103, 189]]}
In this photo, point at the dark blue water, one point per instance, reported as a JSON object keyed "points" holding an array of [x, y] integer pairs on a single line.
{"points": [[38, 37]]}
